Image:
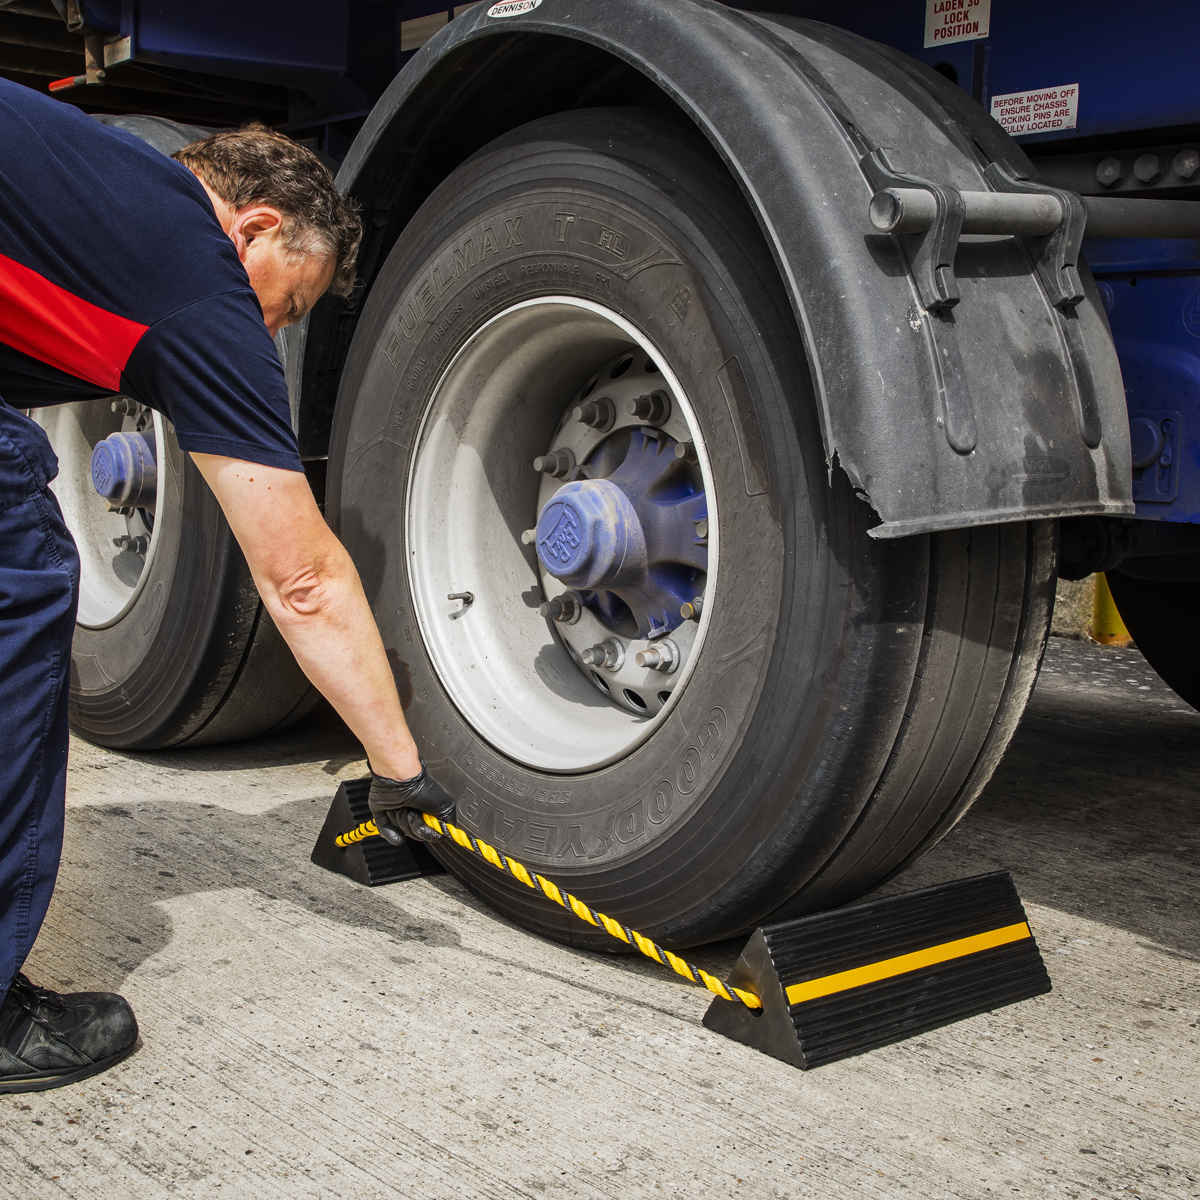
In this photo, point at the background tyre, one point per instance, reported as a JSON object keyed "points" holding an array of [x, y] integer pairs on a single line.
{"points": [[1159, 613], [172, 644], [839, 702]]}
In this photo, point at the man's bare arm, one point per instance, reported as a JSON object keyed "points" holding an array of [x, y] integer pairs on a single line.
{"points": [[313, 593]]}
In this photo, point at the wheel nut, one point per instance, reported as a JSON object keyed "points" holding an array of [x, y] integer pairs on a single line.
{"points": [[564, 609], [691, 612], [662, 656], [609, 654], [687, 452], [558, 463], [599, 413], [654, 409]]}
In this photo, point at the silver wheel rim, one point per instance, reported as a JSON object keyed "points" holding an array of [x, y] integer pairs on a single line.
{"points": [[515, 676], [110, 580]]}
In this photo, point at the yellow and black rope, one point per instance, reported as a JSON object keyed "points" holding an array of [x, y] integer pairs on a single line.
{"points": [[539, 883]]}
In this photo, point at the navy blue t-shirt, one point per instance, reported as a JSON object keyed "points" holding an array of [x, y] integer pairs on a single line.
{"points": [[115, 276]]}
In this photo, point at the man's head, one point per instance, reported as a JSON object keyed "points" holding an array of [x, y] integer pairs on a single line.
{"points": [[296, 234]]}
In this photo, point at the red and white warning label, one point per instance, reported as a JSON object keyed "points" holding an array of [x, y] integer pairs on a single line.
{"points": [[1042, 111], [956, 21]]}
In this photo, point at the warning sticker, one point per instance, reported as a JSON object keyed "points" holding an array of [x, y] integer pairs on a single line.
{"points": [[1038, 112], [956, 21]]}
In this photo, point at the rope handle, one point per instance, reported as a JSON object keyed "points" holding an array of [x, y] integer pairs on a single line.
{"points": [[539, 883]]}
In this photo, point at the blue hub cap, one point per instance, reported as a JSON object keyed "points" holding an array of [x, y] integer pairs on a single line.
{"points": [[124, 470], [629, 534]]}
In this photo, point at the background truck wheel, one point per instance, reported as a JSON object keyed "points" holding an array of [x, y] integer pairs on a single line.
{"points": [[1160, 614], [172, 645], [591, 291]]}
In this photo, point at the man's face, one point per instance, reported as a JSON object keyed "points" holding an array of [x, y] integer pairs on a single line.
{"points": [[286, 286]]}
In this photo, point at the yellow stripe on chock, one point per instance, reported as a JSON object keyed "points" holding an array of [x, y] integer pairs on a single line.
{"points": [[539, 883], [902, 964]]}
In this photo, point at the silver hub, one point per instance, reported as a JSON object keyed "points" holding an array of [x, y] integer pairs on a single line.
{"points": [[585, 689]]}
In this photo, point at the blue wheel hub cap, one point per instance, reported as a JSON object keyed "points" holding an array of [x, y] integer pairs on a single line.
{"points": [[125, 471], [589, 536], [628, 535]]}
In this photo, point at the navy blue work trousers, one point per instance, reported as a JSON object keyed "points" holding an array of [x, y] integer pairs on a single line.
{"points": [[39, 593]]}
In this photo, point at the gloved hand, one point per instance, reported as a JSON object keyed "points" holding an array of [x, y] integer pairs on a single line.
{"points": [[396, 805]]}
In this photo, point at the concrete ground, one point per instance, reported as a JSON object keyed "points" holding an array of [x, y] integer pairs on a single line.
{"points": [[307, 1037]]}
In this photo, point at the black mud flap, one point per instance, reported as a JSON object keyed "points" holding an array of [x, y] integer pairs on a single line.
{"points": [[842, 982], [372, 862]]}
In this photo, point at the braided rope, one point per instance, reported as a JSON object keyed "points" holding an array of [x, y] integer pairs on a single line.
{"points": [[539, 883]]}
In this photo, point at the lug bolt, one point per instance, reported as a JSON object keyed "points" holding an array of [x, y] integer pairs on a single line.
{"points": [[564, 609], [1186, 164], [126, 407], [692, 611], [558, 463], [1111, 171], [529, 537], [687, 452], [599, 413], [654, 409], [135, 545], [609, 654], [662, 656], [1148, 168]]}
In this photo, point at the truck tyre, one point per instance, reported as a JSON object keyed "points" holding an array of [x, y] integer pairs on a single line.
{"points": [[1157, 613], [172, 645], [591, 290]]}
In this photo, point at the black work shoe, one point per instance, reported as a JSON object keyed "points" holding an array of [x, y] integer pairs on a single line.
{"points": [[47, 1040]]}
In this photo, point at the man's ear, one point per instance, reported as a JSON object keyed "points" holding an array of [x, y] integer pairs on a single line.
{"points": [[252, 223]]}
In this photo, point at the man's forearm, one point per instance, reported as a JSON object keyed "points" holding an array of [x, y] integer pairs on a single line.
{"points": [[333, 635], [313, 594]]}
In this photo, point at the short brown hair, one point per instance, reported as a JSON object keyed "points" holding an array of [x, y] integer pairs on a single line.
{"points": [[254, 165]]}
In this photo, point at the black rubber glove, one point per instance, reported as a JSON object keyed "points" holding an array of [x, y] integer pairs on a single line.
{"points": [[397, 804]]}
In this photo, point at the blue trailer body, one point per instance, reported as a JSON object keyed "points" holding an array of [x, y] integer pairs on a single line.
{"points": [[1136, 85]]}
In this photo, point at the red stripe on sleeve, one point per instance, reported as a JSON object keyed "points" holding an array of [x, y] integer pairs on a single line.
{"points": [[56, 327]]}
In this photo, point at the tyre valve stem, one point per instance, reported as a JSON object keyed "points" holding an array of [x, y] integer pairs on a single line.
{"points": [[701, 538], [692, 610]]}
